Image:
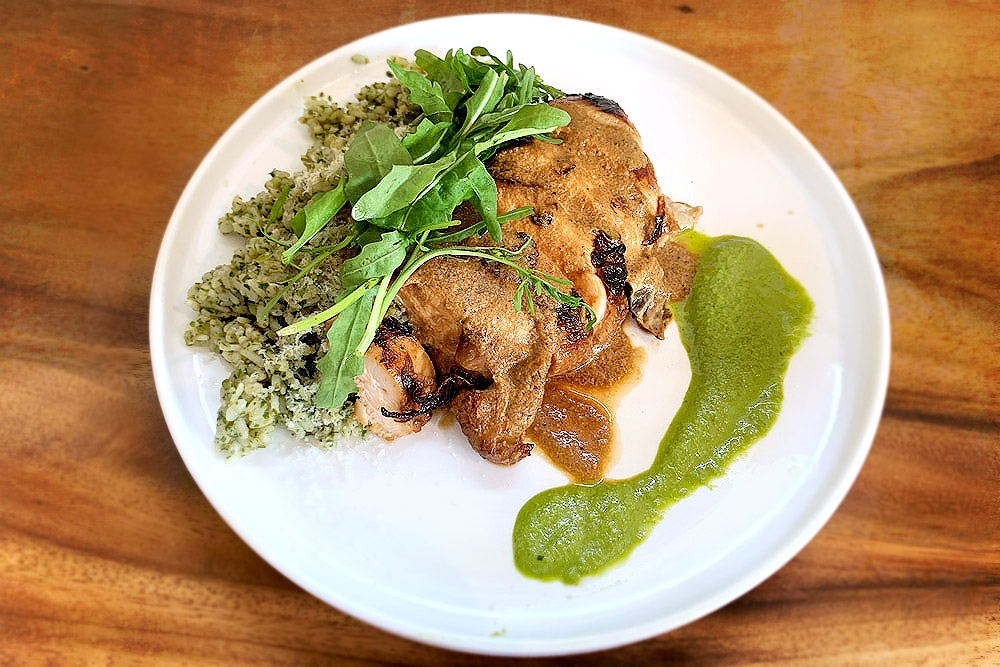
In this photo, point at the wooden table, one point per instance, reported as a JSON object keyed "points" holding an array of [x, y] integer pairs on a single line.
{"points": [[110, 554]]}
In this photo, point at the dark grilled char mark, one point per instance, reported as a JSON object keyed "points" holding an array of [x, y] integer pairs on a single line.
{"points": [[603, 103], [415, 386], [455, 381], [659, 224], [608, 257], [570, 321], [392, 357], [542, 219], [391, 328]]}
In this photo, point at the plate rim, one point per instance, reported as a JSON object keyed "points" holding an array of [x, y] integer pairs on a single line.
{"points": [[511, 646]]}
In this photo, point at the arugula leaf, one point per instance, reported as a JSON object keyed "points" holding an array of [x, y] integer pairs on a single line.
{"points": [[371, 155], [298, 222], [340, 365], [425, 93], [375, 260], [425, 140], [366, 234], [400, 187], [473, 70], [493, 121], [315, 215], [526, 86], [485, 190], [526, 121], [454, 85], [466, 179], [484, 100]]}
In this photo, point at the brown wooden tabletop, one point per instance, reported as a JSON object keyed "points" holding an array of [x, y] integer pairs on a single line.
{"points": [[109, 552]]}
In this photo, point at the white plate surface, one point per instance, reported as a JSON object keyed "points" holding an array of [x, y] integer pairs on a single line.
{"points": [[415, 537]]}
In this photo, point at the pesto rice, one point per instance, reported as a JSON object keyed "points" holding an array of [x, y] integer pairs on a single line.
{"points": [[273, 379]]}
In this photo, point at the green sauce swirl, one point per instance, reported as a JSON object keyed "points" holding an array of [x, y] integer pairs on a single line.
{"points": [[741, 323]]}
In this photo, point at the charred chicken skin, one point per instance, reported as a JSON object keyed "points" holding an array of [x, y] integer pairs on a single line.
{"points": [[397, 374]]}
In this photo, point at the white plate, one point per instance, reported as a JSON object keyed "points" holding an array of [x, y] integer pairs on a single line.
{"points": [[415, 537]]}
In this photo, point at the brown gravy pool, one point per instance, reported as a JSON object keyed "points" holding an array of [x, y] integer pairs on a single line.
{"points": [[575, 427]]}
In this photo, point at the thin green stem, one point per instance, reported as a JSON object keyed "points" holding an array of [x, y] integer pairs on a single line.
{"points": [[266, 310], [376, 318], [323, 316]]}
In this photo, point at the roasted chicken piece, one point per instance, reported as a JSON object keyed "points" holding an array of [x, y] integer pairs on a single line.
{"points": [[600, 221], [397, 373], [462, 312], [597, 180]]}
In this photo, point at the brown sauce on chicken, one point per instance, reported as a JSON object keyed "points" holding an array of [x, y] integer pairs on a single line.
{"points": [[574, 428], [547, 377]]}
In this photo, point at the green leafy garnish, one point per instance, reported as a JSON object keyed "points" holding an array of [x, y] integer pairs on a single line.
{"points": [[403, 192], [375, 150], [313, 217], [339, 366], [376, 260]]}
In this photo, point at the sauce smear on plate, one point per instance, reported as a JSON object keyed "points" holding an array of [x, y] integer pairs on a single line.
{"points": [[574, 428], [741, 323]]}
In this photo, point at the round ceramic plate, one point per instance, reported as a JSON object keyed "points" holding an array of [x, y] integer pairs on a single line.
{"points": [[415, 537]]}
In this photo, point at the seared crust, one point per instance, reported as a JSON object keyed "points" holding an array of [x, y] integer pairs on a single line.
{"points": [[601, 103], [397, 373]]}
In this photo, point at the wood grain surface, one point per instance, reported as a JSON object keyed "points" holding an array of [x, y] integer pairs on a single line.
{"points": [[109, 553]]}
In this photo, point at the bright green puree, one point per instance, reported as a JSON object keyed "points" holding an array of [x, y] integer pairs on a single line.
{"points": [[742, 321]]}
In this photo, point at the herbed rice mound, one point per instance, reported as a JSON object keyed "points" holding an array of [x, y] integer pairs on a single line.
{"points": [[274, 378]]}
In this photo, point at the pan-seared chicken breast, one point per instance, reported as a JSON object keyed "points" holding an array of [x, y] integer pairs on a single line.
{"points": [[601, 222]]}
